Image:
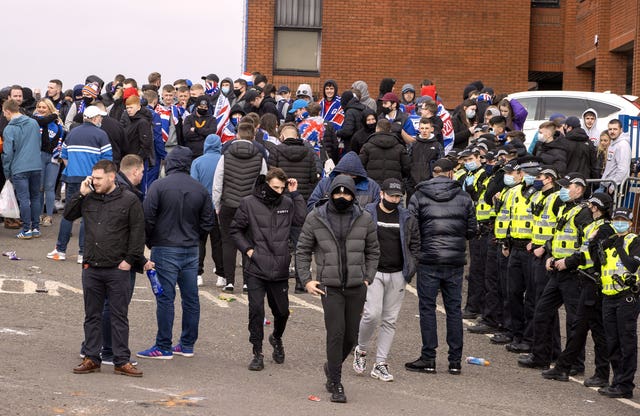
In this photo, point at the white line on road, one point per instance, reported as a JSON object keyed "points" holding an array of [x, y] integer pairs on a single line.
{"points": [[12, 331], [304, 303], [214, 299]]}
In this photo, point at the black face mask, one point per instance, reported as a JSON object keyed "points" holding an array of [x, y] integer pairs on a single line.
{"points": [[391, 206], [371, 127], [386, 110], [87, 100], [202, 111], [271, 197], [237, 92], [342, 204]]}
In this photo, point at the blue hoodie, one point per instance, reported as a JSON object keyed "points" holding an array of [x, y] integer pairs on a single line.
{"points": [[367, 191], [204, 167], [22, 142]]}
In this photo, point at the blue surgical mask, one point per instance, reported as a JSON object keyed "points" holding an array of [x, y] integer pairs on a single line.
{"points": [[225, 90], [564, 195], [620, 226], [509, 180], [538, 184], [471, 166], [528, 179]]}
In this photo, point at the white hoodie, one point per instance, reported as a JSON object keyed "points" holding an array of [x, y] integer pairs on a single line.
{"points": [[593, 133]]}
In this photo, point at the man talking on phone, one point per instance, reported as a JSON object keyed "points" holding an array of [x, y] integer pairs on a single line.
{"points": [[260, 229], [114, 223]]}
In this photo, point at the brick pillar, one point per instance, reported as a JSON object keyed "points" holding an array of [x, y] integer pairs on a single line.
{"points": [[635, 86], [573, 78], [611, 68]]}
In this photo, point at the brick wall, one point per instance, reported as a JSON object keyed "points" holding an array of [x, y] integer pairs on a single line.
{"points": [[546, 40]]}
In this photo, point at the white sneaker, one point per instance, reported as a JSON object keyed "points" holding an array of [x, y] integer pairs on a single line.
{"points": [[56, 255], [359, 360], [222, 282], [199, 280], [80, 258], [381, 372], [228, 288], [245, 289]]}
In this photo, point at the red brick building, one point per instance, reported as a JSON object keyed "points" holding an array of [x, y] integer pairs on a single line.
{"points": [[591, 45]]}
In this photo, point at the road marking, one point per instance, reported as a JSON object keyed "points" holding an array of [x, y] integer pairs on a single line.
{"points": [[12, 331], [214, 299], [305, 304]]}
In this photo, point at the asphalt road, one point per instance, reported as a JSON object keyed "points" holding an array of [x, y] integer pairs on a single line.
{"points": [[40, 336]]}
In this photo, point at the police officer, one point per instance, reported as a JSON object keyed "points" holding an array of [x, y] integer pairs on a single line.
{"points": [[620, 304], [562, 286], [472, 184], [589, 313]]}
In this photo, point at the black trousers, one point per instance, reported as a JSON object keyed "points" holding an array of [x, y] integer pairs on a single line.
{"points": [[520, 290], [502, 263], [588, 318], [540, 278], [278, 300], [492, 313], [476, 285], [229, 250], [97, 284], [562, 288], [342, 311], [620, 317], [216, 251]]}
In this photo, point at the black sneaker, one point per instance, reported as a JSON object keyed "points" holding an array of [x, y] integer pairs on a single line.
{"points": [[530, 361], [596, 381], [501, 339], [575, 371], [555, 373], [257, 363], [422, 366], [278, 349], [469, 315], [483, 329], [615, 393], [455, 368], [518, 347], [337, 393]]}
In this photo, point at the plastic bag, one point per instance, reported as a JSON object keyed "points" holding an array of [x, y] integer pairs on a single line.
{"points": [[8, 202]]}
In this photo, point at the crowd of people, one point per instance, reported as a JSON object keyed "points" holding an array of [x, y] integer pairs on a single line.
{"points": [[376, 190]]}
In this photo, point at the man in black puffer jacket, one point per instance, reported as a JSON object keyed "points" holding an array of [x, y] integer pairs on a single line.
{"points": [[384, 156], [260, 230], [581, 153], [138, 131], [446, 218], [353, 109]]}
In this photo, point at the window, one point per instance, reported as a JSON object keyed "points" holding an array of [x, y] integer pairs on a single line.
{"points": [[564, 105], [545, 3], [531, 104], [603, 109], [298, 33]]}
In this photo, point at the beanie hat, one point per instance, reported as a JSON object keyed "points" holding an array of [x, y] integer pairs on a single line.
{"points": [[128, 92], [346, 97], [91, 90]]}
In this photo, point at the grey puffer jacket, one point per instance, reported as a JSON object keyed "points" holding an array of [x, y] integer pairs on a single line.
{"points": [[361, 250]]}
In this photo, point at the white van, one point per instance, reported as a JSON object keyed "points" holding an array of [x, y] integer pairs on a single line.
{"points": [[542, 104]]}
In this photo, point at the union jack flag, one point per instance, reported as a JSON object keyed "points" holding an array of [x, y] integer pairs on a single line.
{"points": [[334, 113], [312, 130], [221, 112]]}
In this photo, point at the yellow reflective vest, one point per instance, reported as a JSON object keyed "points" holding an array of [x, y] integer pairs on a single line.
{"points": [[614, 266], [566, 239], [544, 219], [503, 215]]}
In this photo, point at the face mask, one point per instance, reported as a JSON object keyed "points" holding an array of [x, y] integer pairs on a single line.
{"points": [[98, 125], [471, 114], [471, 166], [390, 205], [620, 226], [225, 90], [509, 180], [528, 180], [271, 197], [87, 100], [386, 110], [237, 92], [342, 204], [371, 127], [202, 111], [564, 195], [538, 184]]}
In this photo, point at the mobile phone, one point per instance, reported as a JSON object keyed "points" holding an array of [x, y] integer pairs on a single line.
{"points": [[91, 185]]}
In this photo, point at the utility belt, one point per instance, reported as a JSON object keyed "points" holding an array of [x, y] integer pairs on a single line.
{"points": [[627, 293], [518, 243]]}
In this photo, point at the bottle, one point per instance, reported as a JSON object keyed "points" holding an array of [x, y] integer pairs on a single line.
{"points": [[155, 283], [477, 361]]}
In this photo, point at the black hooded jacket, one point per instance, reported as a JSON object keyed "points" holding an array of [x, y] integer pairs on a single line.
{"points": [[581, 153], [177, 208], [298, 161], [553, 153], [139, 136], [352, 120], [384, 156], [263, 223], [446, 218], [361, 136], [202, 127]]}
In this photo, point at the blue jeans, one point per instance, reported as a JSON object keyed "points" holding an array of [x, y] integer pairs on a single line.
{"points": [[177, 265], [48, 183], [27, 188], [449, 280], [64, 234]]}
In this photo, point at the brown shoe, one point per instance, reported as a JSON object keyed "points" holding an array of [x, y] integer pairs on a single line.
{"points": [[128, 370], [12, 223], [87, 366]]}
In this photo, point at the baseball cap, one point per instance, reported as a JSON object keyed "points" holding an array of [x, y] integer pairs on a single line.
{"points": [[622, 213], [92, 111], [573, 177], [407, 88], [444, 164], [549, 171], [210, 77], [251, 95], [392, 186], [572, 122], [283, 88], [511, 166], [390, 96], [602, 200], [298, 104]]}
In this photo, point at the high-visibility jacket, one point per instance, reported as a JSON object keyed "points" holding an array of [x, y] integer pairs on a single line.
{"points": [[544, 219], [503, 215], [613, 266], [566, 239], [589, 232]]}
